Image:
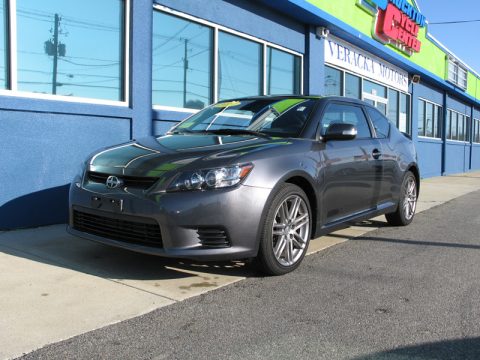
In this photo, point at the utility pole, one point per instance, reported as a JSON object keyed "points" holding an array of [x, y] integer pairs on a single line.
{"points": [[55, 54], [185, 68]]}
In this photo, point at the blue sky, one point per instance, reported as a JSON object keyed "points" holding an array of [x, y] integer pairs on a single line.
{"points": [[459, 38]]}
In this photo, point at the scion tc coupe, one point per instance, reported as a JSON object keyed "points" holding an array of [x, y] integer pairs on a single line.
{"points": [[248, 178]]}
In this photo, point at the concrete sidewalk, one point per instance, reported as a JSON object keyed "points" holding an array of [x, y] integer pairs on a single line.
{"points": [[54, 286]]}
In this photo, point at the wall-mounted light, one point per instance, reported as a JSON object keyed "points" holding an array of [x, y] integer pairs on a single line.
{"points": [[416, 79]]}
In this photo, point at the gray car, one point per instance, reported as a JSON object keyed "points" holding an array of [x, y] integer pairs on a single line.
{"points": [[248, 178]]}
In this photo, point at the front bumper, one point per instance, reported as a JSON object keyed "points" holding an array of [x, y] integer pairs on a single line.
{"points": [[179, 216]]}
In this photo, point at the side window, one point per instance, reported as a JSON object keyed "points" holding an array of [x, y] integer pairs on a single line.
{"points": [[345, 114], [380, 123]]}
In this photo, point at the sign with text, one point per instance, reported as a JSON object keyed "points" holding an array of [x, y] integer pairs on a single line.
{"points": [[397, 22], [357, 61]]}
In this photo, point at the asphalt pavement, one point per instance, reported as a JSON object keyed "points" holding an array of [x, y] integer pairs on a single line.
{"points": [[393, 293]]}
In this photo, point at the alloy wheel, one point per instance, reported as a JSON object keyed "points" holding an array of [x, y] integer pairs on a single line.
{"points": [[410, 199], [291, 230]]}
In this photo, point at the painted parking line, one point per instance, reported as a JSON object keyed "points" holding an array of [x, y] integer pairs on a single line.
{"points": [[55, 286]]}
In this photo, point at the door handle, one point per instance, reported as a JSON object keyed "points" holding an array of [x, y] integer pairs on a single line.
{"points": [[376, 154]]}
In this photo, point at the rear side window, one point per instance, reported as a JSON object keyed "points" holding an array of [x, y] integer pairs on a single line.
{"points": [[380, 123], [345, 114]]}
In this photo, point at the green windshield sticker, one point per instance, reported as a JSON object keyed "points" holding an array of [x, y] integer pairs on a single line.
{"points": [[227, 104], [286, 104]]}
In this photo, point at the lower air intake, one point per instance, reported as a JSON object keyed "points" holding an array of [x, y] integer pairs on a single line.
{"points": [[213, 237]]}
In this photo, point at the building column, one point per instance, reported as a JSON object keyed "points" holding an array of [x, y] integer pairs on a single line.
{"points": [[444, 133], [314, 63], [141, 67]]}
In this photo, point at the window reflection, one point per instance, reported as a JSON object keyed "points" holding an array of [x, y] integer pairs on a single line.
{"points": [[182, 62], [333, 82], [393, 106], [283, 72], [352, 86], [3, 46], [71, 48], [239, 67]]}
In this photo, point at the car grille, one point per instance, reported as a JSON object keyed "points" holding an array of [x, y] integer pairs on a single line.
{"points": [[129, 181], [213, 237], [119, 227]]}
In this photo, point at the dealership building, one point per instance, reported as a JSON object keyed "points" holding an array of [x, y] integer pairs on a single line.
{"points": [[79, 76]]}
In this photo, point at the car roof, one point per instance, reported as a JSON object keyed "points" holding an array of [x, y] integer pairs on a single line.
{"points": [[315, 97]]}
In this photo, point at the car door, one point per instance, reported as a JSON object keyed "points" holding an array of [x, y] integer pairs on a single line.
{"points": [[352, 172], [388, 156]]}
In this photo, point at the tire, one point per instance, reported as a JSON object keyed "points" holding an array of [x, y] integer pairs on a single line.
{"points": [[407, 203], [286, 231]]}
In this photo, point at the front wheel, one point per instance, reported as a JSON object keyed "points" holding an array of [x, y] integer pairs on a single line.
{"points": [[407, 203], [286, 231]]}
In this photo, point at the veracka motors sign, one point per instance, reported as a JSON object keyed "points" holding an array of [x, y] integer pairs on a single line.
{"points": [[397, 22]]}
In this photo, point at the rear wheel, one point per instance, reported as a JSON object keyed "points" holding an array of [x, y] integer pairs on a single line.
{"points": [[407, 203], [286, 231]]}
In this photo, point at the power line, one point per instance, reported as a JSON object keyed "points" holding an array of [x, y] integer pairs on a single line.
{"points": [[453, 22]]}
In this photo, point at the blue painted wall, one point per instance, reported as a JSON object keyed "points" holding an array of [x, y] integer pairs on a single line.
{"points": [[40, 156]]}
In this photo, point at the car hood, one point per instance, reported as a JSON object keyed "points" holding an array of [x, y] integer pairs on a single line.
{"points": [[153, 157]]}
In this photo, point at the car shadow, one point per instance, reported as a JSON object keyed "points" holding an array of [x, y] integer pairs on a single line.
{"points": [[52, 245], [468, 348]]}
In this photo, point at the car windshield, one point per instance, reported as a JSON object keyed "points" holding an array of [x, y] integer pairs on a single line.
{"points": [[285, 117]]}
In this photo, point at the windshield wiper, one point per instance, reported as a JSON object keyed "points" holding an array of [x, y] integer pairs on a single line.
{"points": [[237, 132]]}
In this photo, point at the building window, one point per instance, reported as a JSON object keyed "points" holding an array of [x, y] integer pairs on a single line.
{"points": [[476, 130], [333, 82], [283, 72], [353, 86], [65, 48], [457, 74], [376, 95], [187, 73], [239, 67], [458, 126], [429, 119], [404, 113], [393, 104], [182, 62], [3, 45], [392, 113]]}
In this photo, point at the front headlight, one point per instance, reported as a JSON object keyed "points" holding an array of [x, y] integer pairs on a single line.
{"points": [[79, 174], [210, 178]]}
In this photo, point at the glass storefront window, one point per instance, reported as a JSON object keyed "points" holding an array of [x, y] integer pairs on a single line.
{"points": [[454, 124], [65, 48], [352, 86], [429, 120], [239, 66], [333, 82], [3, 46], [392, 113], [374, 89], [421, 118], [404, 113], [283, 72], [182, 62]]}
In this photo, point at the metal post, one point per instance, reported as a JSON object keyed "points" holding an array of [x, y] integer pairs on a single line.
{"points": [[55, 54], [185, 68]]}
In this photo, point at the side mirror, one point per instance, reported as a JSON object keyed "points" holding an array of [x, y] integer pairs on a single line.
{"points": [[340, 131]]}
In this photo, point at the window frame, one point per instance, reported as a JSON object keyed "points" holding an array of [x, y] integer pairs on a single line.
{"points": [[216, 29], [12, 65], [466, 127], [476, 131], [435, 119], [453, 72]]}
